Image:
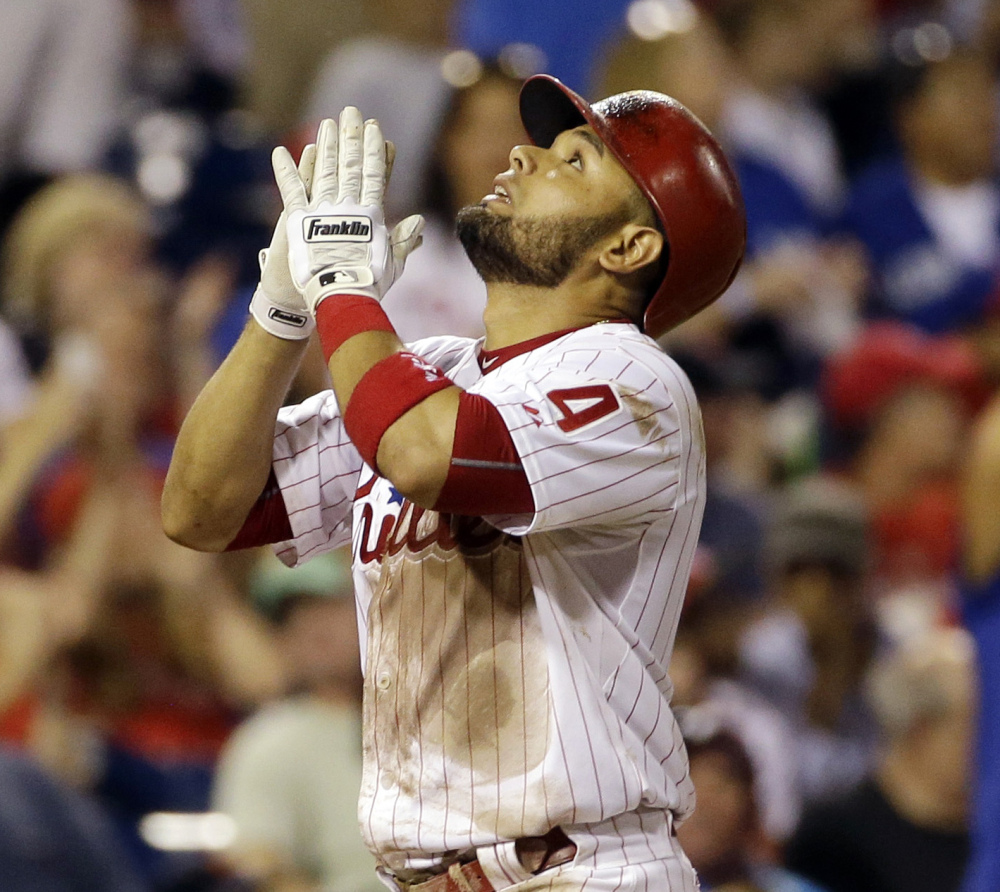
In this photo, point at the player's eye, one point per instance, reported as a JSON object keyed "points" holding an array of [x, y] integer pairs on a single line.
{"points": [[576, 160]]}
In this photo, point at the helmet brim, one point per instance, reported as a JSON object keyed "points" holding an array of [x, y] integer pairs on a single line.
{"points": [[548, 107]]}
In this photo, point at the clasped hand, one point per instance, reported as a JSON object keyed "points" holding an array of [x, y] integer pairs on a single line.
{"points": [[331, 237], [338, 242]]}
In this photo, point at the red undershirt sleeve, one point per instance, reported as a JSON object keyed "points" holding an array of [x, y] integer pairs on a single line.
{"points": [[485, 476], [267, 521]]}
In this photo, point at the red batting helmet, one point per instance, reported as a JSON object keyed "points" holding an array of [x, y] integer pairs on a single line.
{"points": [[681, 170]]}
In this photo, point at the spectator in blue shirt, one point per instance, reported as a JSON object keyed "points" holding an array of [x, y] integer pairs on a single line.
{"points": [[930, 217]]}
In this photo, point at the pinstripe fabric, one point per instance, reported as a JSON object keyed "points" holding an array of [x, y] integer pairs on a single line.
{"points": [[515, 667]]}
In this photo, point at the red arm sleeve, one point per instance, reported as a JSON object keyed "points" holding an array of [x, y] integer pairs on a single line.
{"points": [[485, 476], [267, 521]]}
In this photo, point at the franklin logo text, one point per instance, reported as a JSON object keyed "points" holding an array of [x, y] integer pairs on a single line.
{"points": [[337, 229]]}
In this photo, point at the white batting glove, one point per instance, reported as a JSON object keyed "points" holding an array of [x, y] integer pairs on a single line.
{"points": [[337, 238], [276, 303]]}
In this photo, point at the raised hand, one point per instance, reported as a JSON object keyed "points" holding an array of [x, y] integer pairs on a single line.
{"points": [[276, 304], [337, 237]]}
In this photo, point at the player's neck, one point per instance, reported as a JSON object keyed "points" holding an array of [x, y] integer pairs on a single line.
{"points": [[517, 313]]}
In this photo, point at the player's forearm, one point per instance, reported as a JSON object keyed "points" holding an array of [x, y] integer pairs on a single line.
{"points": [[415, 451], [355, 358], [222, 457]]}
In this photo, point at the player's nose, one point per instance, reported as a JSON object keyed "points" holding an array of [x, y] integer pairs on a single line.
{"points": [[525, 158]]}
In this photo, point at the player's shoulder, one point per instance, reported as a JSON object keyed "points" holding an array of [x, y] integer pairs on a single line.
{"points": [[603, 339], [448, 352], [614, 351]]}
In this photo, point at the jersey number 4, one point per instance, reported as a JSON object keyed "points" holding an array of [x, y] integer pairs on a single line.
{"points": [[582, 406]]}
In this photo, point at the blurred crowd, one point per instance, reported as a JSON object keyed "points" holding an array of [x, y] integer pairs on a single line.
{"points": [[177, 721]]}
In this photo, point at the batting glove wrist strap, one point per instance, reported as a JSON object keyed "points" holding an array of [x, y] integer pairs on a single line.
{"points": [[283, 319], [386, 392], [276, 304], [350, 314], [334, 282]]}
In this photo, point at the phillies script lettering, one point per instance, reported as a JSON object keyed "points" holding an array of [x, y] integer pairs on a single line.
{"points": [[450, 532]]}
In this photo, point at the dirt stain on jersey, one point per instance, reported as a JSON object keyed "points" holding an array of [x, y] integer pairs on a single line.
{"points": [[644, 413], [456, 692]]}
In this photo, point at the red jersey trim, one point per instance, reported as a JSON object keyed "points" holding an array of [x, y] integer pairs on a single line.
{"points": [[493, 359]]}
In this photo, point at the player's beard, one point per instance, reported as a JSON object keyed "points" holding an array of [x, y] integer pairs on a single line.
{"points": [[530, 251]]}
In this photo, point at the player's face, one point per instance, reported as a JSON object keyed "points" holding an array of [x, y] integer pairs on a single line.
{"points": [[547, 211], [575, 177]]}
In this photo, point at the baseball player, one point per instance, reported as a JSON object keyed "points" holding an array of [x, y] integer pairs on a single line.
{"points": [[523, 509]]}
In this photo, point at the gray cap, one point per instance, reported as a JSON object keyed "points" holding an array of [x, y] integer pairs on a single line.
{"points": [[819, 521]]}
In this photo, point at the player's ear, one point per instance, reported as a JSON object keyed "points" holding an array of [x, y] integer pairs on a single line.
{"points": [[634, 248]]}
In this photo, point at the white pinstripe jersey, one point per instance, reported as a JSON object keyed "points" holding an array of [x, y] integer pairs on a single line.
{"points": [[516, 667]]}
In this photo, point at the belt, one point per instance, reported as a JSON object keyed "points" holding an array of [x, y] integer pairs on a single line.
{"points": [[536, 853]]}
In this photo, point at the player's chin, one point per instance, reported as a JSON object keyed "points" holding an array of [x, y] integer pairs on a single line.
{"points": [[472, 212]]}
